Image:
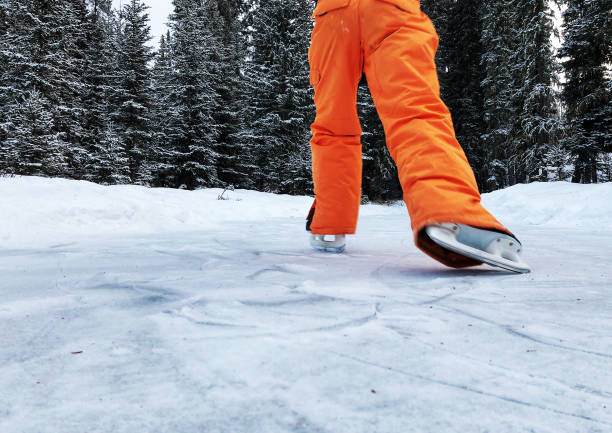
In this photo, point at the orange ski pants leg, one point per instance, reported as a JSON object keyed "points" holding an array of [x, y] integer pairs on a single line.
{"points": [[336, 61], [397, 45], [437, 180]]}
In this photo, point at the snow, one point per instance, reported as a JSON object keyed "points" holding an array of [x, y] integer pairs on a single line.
{"points": [[39, 212], [158, 12], [129, 309], [555, 204]]}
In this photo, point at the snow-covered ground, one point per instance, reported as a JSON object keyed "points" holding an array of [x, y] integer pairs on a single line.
{"points": [[126, 309]]}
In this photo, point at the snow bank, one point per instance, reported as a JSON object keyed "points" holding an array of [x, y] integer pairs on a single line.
{"points": [[38, 211], [559, 204]]}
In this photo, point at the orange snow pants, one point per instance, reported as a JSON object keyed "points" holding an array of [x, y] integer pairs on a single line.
{"points": [[394, 43]]}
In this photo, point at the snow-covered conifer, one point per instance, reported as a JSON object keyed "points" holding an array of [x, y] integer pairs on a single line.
{"points": [[106, 159], [499, 54], [586, 57], [193, 133], [35, 148], [43, 55], [165, 115], [280, 97], [536, 124], [133, 98], [234, 164]]}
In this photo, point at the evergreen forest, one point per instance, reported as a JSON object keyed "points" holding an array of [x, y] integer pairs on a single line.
{"points": [[224, 98]]}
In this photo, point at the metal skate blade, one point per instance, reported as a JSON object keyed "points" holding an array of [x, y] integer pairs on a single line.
{"points": [[320, 243], [504, 254]]}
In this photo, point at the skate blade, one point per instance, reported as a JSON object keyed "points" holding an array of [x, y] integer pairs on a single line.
{"points": [[447, 239], [336, 246]]}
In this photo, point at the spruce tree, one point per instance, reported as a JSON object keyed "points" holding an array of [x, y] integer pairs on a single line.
{"points": [[537, 125], [499, 56], [43, 59], [164, 115], [234, 164], [70, 20], [193, 133], [605, 167], [35, 148], [133, 100], [280, 97], [587, 55], [558, 159], [107, 162], [8, 52]]}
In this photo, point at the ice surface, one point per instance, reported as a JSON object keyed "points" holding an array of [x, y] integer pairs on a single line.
{"points": [[132, 310]]}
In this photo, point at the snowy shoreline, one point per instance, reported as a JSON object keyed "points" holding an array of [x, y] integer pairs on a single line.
{"points": [[39, 211]]}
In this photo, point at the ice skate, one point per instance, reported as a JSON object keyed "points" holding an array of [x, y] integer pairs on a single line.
{"points": [[325, 244], [491, 247]]}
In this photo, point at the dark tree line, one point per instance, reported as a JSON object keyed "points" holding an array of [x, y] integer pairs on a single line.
{"points": [[225, 99], [587, 61]]}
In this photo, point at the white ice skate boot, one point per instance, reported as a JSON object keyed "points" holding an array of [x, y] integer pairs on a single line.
{"points": [[325, 244], [491, 247]]}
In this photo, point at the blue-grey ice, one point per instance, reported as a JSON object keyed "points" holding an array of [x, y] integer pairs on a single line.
{"points": [[124, 309]]}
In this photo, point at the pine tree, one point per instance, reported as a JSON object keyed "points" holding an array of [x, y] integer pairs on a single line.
{"points": [[36, 150], [605, 167], [587, 55], [43, 58], [193, 133], [8, 52], [536, 126], [112, 162], [106, 158], [164, 115], [133, 110], [234, 164], [70, 22], [464, 94], [557, 160], [280, 102], [499, 55]]}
